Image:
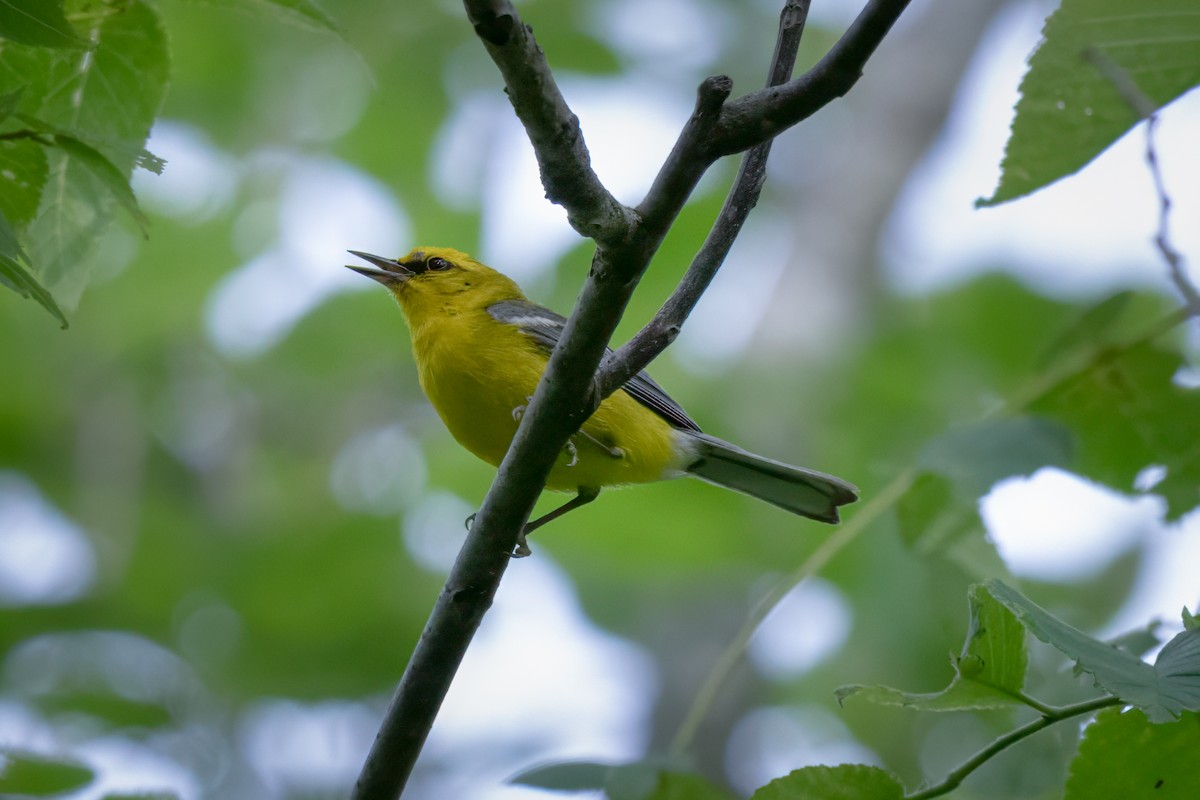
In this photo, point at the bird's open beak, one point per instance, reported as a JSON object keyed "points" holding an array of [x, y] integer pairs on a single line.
{"points": [[390, 273]]}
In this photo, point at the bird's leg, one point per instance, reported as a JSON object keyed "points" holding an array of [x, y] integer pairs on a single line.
{"points": [[614, 452], [586, 495]]}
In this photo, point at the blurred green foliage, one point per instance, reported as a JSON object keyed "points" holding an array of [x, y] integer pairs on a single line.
{"points": [[228, 571]]}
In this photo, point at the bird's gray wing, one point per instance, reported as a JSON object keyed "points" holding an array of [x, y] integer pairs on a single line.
{"points": [[545, 328]]}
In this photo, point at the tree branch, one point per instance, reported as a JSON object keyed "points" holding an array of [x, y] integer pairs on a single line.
{"points": [[553, 129], [764, 114], [568, 392], [651, 340]]}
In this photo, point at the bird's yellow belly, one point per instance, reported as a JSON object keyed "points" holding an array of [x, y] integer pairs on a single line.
{"points": [[480, 391]]}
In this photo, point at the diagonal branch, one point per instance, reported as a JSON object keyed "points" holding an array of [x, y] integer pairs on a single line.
{"points": [[651, 340], [764, 114], [553, 129], [569, 391]]}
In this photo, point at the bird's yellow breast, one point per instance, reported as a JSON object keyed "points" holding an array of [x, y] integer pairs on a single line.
{"points": [[480, 374]]}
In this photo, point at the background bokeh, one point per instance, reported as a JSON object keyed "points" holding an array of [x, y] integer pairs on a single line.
{"points": [[226, 508]]}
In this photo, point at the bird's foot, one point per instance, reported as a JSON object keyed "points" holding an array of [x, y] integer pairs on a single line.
{"points": [[522, 549], [519, 411], [573, 452]]}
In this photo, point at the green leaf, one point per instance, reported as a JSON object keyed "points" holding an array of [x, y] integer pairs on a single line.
{"points": [[565, 776], [16, 277], [104, 104], [1163, 691], [9, 102], [40, 23], [989, 672], [23, 171], [1127, 413], [106, 172], [939, 514], [844, 782], [1124, 755], [29, 775], [682, 786], [304, 13], [1069, 110], [979, 455]]}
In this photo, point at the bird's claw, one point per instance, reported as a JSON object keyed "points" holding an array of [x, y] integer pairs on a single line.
{"points": [[522, 549], [519, 411], [467, 522], [573, 452]]}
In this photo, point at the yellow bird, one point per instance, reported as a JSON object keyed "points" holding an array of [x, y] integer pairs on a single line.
{"points": [[481, 347]]}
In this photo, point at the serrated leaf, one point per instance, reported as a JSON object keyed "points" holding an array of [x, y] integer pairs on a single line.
{"points": [[40, 23], [1163, 691], [989, 671], [1069, 110], [116, 182], [107, 102], [23, 171], [565, 776], [28, 775], [1124, 755], [843, 782]]}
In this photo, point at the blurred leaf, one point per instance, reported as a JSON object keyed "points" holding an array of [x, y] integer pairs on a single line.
{"points": [[844, 782], [1127, 413], [1069, 111], [976, 456], [1093, 327], [29, 775], [1123, 755], [39, 23], [680, 786], [939, 514], [304, 13], [936, 521], [1163, 691], [565, 776], [989, 672], [112, 709], [8, 103], [1139, 641], [23, 171]]}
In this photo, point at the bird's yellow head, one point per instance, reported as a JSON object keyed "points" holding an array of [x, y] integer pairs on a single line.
{"points": [[439, 280]]}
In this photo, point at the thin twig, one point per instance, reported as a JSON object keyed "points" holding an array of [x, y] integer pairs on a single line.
{"points": [[764, 114], [566, 395], [1144, 107], [553, 129], [880, 503], [958, 775], [656, 335]]}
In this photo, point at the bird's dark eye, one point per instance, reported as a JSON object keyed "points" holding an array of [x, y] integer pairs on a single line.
{"points": [[437, 264]]}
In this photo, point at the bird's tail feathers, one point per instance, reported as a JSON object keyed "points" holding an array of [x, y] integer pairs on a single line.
{"points": [[802, 491]]}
